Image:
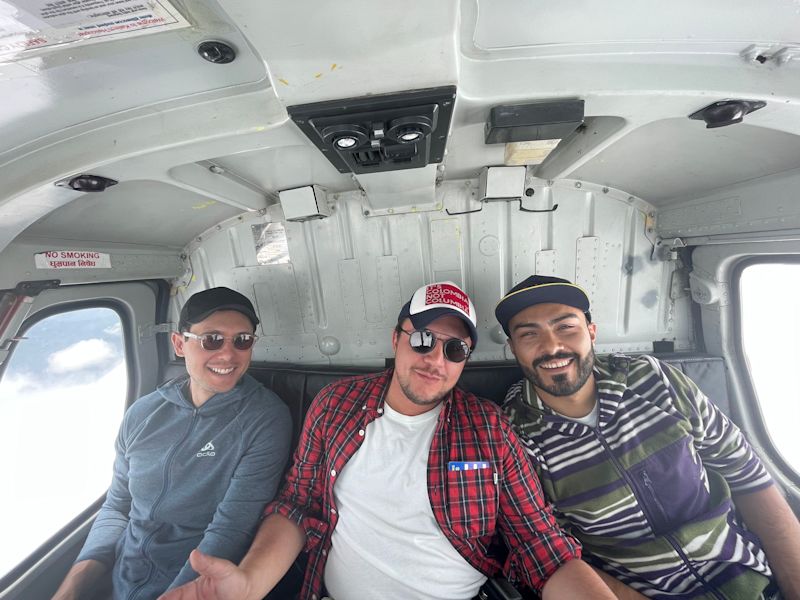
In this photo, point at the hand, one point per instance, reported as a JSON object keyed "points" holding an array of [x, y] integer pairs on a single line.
{"points": [[219, 580]]}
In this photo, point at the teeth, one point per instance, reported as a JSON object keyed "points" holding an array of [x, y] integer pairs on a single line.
{"points": [[221, 371], [556, 364]]}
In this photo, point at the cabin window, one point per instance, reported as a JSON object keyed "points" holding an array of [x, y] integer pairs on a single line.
{"points": [[62, 398], [770, 327]]}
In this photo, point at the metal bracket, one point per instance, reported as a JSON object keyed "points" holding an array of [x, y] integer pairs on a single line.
{"points": [[668, 250], [522, 208], [150, 329], [34, 288]]}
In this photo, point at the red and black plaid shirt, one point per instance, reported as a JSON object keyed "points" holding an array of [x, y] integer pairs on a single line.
{"points": [[471, 507]]}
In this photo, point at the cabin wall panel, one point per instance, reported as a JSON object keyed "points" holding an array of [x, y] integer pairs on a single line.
{"points": [[338, 297]]}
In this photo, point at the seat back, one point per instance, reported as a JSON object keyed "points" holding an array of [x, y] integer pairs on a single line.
{"points": [[297, 387]]}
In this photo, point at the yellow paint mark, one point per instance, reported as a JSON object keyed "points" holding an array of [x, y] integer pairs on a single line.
{"points": [[283, 81], [260, 128], [317, 75], [204, 205], [334, 66]]}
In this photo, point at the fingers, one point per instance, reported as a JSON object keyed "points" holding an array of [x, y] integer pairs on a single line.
{"points": [[210, 566]]}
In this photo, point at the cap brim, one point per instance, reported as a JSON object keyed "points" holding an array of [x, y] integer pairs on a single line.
{"points": [[568, 294], [237, 307]]}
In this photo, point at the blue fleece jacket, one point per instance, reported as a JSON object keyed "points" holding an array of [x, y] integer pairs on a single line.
{"points": [[185, 478]]}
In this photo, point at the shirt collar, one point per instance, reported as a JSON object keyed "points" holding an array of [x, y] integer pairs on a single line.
{"points": [[611, 375]]}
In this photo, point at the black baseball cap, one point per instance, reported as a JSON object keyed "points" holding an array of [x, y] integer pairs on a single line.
{"points": [[202, 304], [436, 300], [540, 289]]}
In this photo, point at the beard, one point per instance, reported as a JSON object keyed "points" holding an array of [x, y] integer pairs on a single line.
{"points": [[561, 385], [416, 398]]}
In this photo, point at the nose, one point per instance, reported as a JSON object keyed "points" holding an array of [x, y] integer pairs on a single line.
{"points": [[550, 343], [436, 356]]}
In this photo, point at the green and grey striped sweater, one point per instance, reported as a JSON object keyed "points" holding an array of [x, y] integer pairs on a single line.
{"points": [[648, 491]]}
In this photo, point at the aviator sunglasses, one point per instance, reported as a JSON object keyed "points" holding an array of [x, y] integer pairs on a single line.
{"points": [[423, 341], [214, 341]]}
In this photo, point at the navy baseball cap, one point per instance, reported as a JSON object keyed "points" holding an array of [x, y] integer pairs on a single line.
{"points": [[202, 304], [540, 289], [436, 300]]}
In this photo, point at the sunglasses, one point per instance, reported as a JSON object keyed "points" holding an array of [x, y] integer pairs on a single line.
{"points": [[214, 341], [423, 341]]}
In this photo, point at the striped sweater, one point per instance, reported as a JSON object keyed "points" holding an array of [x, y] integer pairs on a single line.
{"points": [[648, 491]]}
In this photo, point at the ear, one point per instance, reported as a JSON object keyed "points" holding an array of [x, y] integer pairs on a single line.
{"points": [[592, 331], [177, 343], [395, 340]]}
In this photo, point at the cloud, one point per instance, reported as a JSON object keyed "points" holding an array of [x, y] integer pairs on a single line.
{"points": [[114, 329], [82, 355], [39, 418]]}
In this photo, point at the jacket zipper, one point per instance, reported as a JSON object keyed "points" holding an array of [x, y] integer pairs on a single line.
{"points": [[148, 539], [646, 510]]}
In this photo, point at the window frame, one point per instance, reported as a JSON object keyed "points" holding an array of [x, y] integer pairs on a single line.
{"points": [[129, 348], [752, 405]]}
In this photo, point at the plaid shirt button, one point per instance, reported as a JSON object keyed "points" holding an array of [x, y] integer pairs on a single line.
{"points": [[361, 432], [333, 472]]}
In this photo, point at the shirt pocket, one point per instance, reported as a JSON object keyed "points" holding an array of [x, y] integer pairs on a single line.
{"points": [[471, 502], [671, 486]]}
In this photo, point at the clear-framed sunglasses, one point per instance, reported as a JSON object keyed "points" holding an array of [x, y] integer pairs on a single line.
{"points": [[214, 341], [423, 341]]}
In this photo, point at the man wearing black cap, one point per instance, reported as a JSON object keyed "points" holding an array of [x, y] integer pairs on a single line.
{"points": [[401, 483], [197, 460], [638, 464]]}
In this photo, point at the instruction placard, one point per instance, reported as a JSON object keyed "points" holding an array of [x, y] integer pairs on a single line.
{"points": [[43, 23], [72, 259]]}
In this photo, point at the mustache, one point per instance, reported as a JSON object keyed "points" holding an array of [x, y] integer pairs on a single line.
{"points": [[558, 355], [434, 373]]}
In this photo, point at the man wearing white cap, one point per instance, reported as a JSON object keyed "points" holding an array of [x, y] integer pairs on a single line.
{"points": [[401, 484]]}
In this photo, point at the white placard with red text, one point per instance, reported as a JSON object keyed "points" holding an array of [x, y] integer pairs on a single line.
{"points": [[37, 24], [72, 259]]}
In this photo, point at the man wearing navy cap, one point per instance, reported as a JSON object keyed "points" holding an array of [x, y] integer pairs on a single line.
{"points": [[401, 484], [197, 460], [638, 464]]}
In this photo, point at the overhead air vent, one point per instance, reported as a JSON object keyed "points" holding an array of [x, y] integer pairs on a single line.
{"points": [[726, 112], [87, 183], [380, 133]]}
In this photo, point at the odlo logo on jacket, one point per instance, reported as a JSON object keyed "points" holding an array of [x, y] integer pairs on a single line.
{"points": [[207, 450]]}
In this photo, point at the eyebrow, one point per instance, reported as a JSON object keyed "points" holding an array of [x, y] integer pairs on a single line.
{"points": [[535, 325]]}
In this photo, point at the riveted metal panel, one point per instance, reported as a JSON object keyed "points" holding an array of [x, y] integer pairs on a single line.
{"points": [[338, 298], [278, 301]]}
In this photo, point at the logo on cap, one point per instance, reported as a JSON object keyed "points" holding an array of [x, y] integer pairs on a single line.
{"points": [[446, 294]]}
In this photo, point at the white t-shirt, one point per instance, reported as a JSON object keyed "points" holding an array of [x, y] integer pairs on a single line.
{"points": [[590, 419], [387, 543]]}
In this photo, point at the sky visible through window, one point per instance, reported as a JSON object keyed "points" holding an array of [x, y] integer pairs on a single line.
{"points": [[770, 333], [61, 402]]}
